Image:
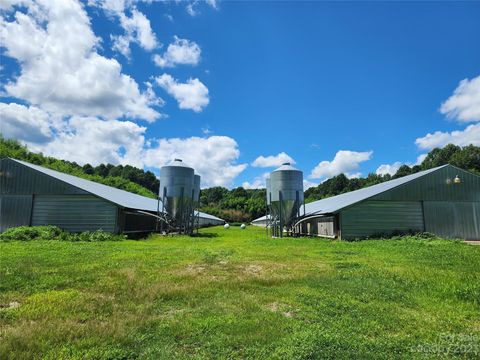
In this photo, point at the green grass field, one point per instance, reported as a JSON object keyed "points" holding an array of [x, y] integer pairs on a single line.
{"points": [[237, 294]]}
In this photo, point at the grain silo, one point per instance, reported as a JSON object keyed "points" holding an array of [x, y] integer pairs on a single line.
{"points": [[284, 198], [178, 197]]}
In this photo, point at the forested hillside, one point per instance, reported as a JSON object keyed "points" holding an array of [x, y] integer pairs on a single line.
{"points": [[239, 204]]}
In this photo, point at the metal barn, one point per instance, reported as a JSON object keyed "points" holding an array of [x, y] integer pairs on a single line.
{"points": [[34, 195], [443, 200]]}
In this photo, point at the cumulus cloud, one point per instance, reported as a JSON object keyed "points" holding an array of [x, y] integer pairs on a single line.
{"points": [[470, 135], [72, 97], [180, 52], [111, 6], [137, 30], [136, 26], [272, 160], [192, 6], [119, 142], [390, 169], [60, 68], [22, 122], [259, 182], [192, 95], [213, 158], [308, 184], [420, 158], [116, 142], [345, 161], [464, 104]]}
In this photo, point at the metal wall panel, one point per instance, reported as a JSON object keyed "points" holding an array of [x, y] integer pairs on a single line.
{"points": [[74, 213], [453, 219], [376, 218], [15, 210]]}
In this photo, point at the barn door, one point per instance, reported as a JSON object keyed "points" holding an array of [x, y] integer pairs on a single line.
{"points": [[453, 219]]}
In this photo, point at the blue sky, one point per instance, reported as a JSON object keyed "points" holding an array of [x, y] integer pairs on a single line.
{"points": [[235, 88]]}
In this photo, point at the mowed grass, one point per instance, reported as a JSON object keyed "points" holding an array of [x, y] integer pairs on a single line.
{"points": [[238, 294]]}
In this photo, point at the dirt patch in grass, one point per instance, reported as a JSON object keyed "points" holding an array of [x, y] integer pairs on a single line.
{"points": [[253, 269], [283, 309]]}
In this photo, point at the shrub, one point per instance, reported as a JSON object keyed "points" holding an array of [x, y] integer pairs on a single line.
{"points": [[27, 233], [426, 235], [50, 232]]}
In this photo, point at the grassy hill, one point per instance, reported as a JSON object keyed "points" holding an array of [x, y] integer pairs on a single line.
{"points": [[236, 294]]}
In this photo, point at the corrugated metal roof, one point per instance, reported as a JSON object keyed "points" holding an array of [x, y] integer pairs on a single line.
{"points": [[336, 203], [120, 197], [262, 218]]}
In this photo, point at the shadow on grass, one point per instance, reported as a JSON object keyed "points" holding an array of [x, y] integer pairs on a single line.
{"points": [[205, 235]]}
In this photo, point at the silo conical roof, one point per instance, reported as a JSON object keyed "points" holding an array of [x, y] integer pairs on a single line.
{"points": [[179, 163], [286, 166]]}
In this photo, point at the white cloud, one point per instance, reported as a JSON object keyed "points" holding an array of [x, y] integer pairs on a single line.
{"points": [[390, 169], [191, 95], [470, 135], [464, 104], [180, 52], [111, 6], [121, 44], [137, 27], [420, 158], [213, 158], [272, 160], [22, 122], [345, 161], [7, 5], [116, 142], [206, 130], [212, 3], [61, 71], [308, 184], [119, 142], [192, 6], [258, 183], [137, 30]]}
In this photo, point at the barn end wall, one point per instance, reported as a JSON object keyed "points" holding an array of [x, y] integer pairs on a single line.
{"points": [[381, 218]]}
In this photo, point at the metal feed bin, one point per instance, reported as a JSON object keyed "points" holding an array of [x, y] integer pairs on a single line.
{"points": [[196, 189], [177, 193], [284, 198]]}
